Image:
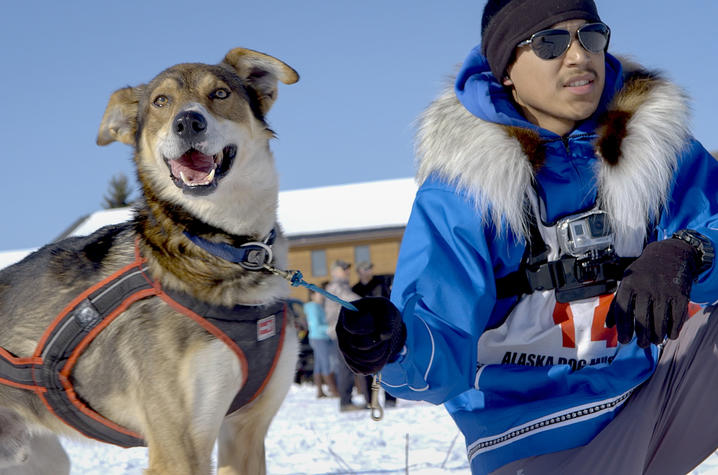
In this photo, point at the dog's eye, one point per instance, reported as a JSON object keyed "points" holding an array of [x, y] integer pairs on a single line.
{"points": [[220, 93], [161, 101]]}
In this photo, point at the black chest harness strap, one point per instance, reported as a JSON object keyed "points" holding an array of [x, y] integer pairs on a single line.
{"points": [[572, 278], [255, 330]]}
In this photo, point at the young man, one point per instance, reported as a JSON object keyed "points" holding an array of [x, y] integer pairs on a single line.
{"points": [[550, 173], [346, 380]]}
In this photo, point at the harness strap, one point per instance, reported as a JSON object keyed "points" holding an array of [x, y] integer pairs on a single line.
{"points": [[67, 340], [47, 372], [572, 278], [17, 372], [565, 272], [254, 326]]}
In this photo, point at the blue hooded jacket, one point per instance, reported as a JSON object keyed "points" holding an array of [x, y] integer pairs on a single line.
{"points": [[462, 236]]}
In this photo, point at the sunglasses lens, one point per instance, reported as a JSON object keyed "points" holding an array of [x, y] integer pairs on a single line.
{"points": [[594, 37], [550, 44]]}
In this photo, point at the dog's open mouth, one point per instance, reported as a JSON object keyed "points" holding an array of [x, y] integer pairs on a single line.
{"points": [[196, 172]]}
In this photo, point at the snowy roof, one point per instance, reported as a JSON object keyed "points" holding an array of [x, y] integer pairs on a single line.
{"points": [[311, 211], [359, 206], [100, 218]]}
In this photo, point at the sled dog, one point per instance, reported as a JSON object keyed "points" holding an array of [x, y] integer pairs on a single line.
{"points": [[165, 331]]}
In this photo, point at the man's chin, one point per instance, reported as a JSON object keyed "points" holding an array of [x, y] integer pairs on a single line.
{"points": [[582, 110]]}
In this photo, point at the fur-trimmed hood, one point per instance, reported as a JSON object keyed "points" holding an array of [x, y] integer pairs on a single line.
{"points": [[639, 136]]}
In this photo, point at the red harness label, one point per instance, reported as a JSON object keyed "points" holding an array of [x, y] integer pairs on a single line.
{"points": [[266, 328]]}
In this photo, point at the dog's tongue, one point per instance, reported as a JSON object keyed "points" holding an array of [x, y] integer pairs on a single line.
{"points": [[194, 167]]}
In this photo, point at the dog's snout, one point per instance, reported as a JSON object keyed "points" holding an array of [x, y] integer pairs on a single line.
{"points": [[190, 124]]}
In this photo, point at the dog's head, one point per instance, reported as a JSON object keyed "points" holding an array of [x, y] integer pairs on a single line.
{"points": [[200, 134]]}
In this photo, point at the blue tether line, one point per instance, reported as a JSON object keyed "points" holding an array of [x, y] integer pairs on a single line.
{"points": [[295, 278]]}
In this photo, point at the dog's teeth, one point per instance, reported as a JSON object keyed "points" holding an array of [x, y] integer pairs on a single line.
{"points": [[207, 180]]}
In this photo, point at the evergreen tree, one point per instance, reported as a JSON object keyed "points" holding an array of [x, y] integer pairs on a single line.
{"points": [[118, 193]]}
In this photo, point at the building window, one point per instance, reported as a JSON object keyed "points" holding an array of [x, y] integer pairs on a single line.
{"points": [[361, 253], [319, 263]]}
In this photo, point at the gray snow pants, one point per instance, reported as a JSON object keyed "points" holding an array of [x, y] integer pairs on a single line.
{"points": [[667, 427]]}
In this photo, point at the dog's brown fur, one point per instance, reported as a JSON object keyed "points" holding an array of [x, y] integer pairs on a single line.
{"points": [[153, 370]]}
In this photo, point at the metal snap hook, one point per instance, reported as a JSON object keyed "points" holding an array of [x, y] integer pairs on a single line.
{"points": [[258, 255], [377, 412]]}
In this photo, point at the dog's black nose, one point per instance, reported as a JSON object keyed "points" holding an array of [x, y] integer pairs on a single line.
{"points": [[190, 124]]}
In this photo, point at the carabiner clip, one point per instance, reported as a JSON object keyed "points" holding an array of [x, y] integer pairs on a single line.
{"points": [[377, 412]]}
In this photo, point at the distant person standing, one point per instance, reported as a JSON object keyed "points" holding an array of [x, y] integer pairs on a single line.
{"points": [[371, 285], [322, 346], [339, 286]]}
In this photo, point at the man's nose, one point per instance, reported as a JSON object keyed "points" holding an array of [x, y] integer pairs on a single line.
{"points": [[576, 53]]}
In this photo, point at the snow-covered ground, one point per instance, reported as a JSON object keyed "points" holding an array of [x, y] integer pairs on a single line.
{"points": [[311, 436]]}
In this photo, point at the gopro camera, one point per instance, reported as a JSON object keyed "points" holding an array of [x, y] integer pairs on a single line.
{"points": [[585, 235]]}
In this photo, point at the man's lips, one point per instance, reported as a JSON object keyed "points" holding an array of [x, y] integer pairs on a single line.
{"points": [[580, 84]]}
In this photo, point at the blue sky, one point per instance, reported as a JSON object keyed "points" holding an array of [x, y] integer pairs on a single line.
{"points": [[367, 70]]}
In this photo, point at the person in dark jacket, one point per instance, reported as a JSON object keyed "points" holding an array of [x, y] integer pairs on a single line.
{"points": [[346, 380], [371, 285], [555, 282]]}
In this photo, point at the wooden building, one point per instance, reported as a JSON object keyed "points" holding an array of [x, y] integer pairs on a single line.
{"points": [[354, 223]]}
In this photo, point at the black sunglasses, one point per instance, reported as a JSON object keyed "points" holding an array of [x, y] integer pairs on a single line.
{"points": [[550, 44]]}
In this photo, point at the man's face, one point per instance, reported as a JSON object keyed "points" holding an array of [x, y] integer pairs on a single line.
{"points": [[365, 274], [555, 94], [340, 273]]}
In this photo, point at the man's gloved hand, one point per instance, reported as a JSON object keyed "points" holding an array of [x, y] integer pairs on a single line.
{"points": [[654, 293], [372, 336]]}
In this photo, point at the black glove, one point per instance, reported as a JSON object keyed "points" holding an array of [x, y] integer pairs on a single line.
{"points": [[372, 336], [654, 293]]}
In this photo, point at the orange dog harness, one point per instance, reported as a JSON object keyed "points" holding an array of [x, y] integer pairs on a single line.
{"points": [[255, 330]]}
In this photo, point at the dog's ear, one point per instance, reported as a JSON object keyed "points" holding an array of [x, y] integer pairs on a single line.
{"points": [[119, 123], [262, 72]]}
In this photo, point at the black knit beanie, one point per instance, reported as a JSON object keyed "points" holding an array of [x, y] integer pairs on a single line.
{"points": [[506, 23]]}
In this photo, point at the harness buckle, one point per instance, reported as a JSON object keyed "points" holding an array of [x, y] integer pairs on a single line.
{"points": [[585, 278], [540, 277]]}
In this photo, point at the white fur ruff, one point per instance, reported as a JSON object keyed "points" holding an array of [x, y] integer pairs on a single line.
{"points": [[490, 166], [479, 157]]}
